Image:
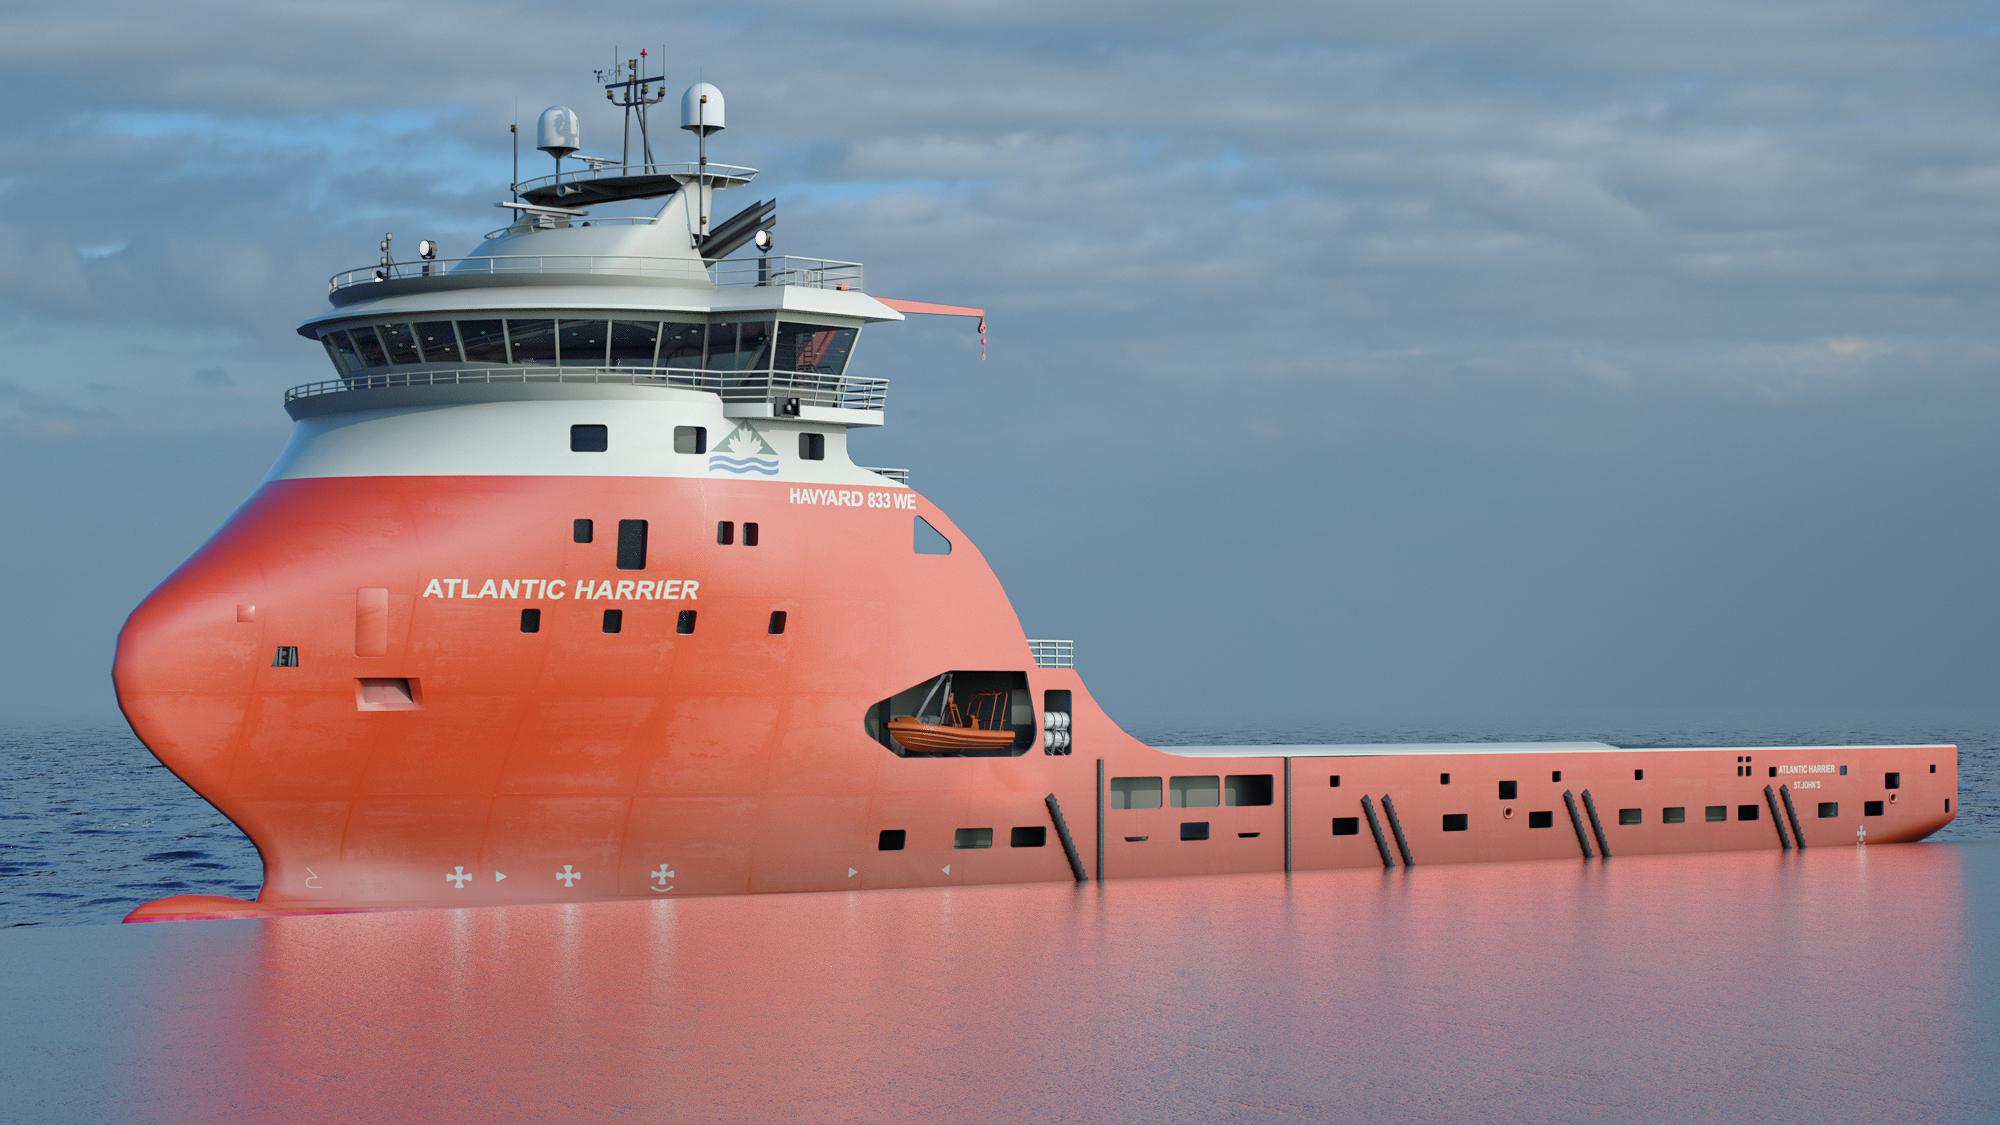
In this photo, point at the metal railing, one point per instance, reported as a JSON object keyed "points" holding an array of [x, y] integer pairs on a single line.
{"points": [[812, 273], [900, 476], [547, 222], [610, 171], [1053, 654], [844, 392]]}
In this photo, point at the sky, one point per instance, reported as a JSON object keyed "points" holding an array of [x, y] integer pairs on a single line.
{"points": [[1436, 366]]}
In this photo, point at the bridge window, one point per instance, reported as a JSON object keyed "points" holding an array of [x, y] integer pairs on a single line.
{"points": [[814, 348], [401, 345], [485, 341], [634, 343], [370, 347], [582, 342], [739, 346], [346, 358], [681, 345], [532, 341], [438, 340]]}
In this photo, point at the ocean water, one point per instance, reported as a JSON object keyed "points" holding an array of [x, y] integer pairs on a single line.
{"points": [[1830, 985]]}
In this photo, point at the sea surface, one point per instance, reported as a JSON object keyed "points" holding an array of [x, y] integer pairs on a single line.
{"points": [[1831, 985]]}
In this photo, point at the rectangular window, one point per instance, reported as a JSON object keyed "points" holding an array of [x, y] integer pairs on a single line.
{"points": [[634, 343], [1333, 782], [1455, 821], [343, 345], [1747, 812], [814, 348], [1892, 781], [1541, 820], [972, 838], [681, 345], [532, 341], [749, 535], [725, 532], [1715, 813], [690, 439], [1774, 771], [1555, 775], [614, 620], [686, 623], [1135, 792], [582, 342], [631, 544], [485, 341], [891, 840], [1674, 816], [740, 346], [438, 342], [1628, 816], [589, 439], [1194, 793], [1347, 826], [1638, 775], [812, 447], [1194, 830], [1246, 789], [287, 657], [1843, 771], [777, 622], [1444, 779], [1509, 790], [580, 530], [370, 347], [401, 345], [1829, 809], [1032, 837], [531, 621], [1871, 808]]}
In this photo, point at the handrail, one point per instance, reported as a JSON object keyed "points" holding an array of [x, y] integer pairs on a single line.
{"points": [[812, 273], [844, 392], [688, 168]]}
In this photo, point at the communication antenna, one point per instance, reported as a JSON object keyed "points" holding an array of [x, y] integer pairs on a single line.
{"points": [[702, 114], [630, 88]]}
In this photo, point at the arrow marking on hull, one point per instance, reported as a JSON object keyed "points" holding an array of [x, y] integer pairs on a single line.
{"points": [[499, 875], [850, 873], [947, 868]]}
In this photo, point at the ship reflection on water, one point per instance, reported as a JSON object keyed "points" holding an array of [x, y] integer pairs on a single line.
{"points": [[1838, 984]]}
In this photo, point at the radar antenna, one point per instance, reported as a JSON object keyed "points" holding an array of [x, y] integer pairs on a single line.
{"points": [[630, 89]]}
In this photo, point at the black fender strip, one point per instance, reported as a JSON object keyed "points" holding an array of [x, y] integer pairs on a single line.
{"points": [[1375, 826], [1596, 826], [1069, 845], [1777, 818], [1396, 826], [1576, 822]]}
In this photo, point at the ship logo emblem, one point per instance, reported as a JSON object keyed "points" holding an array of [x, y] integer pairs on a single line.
{"points": [[744, 451]]}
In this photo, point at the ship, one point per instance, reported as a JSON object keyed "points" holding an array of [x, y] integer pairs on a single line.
{"points": [[565, 588]]}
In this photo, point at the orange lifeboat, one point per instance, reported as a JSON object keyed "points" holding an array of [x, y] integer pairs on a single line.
{"points": [[982, 726]]}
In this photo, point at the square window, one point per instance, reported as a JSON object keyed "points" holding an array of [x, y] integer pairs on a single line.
{"points": [[1347, 826], [812, 447], [891, 840], [531, 621], [1035, 836], [690, 439], [1194, 793], [1629, 816], [1774, 771], [777, 622], [1829, 809], [1747, 812], [580, 531], [1194, 830], [1455, 821], [1871, 808], [1246, 789], [972, 838], [1541, 820], [1674, 816], [589, 439], [614, 620], [686, 623], [1135, 792], [1333, 782], [1892, 781], [1715, 813], [1444, 779], [1509, 790], [1555, 775]]}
